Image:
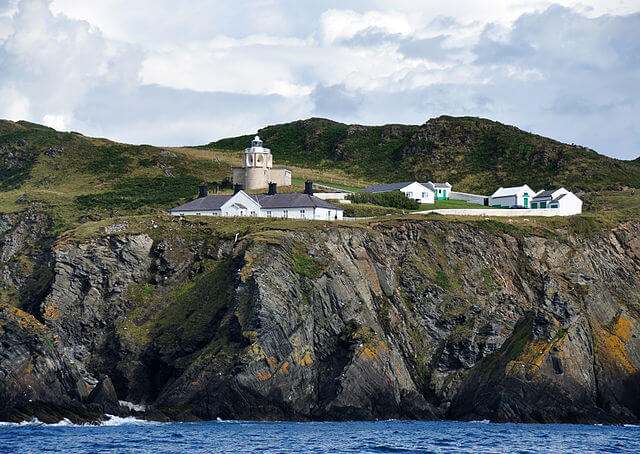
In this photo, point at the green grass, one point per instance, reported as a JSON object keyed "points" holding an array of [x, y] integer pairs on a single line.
{"points": [[307, 266], [392, 199], [361, 210], [457, 204]]}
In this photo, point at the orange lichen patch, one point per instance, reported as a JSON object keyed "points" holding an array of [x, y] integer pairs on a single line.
{"points": [[534, 354], [623, 328], [271, 361], [372, 350], [306, 360], [51, 310], [303, 357], [245, 272], [24, 320], [29, 368], [284, 369], [264, 376], [611, 345], [256, 353]]}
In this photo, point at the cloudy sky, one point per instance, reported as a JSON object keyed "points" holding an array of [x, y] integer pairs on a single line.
{"points": [[173, 73]]}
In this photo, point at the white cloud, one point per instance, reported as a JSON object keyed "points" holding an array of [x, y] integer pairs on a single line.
{"points": [[148, 71], [51, 62], [344, 24]]}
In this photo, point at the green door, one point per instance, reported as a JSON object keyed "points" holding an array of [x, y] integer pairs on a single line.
{"points": [[526, 202]]}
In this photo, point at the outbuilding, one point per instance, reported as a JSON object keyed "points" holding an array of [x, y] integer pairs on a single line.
{"points": [[566, 202], [412, 189], [514, 197]]}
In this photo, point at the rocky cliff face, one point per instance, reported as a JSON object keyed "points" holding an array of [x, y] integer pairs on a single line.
{"points": [[414, 319]]}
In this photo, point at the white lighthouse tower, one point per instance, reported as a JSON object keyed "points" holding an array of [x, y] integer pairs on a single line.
{"points": [[257, 169]]}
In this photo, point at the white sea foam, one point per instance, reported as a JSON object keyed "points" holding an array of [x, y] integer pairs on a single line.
{"points": [[111, 420], [133, 407], [33, 422], [119, 421], [484, 421]]}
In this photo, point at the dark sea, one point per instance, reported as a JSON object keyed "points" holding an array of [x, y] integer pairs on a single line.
{"points": [[130, 436]]}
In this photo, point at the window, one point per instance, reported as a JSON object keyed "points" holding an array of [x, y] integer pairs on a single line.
{"points": [[554, 205], [253, 213], [268, 213], [534, 205], [302, 213], [543, 204], [410, 194], [424, 195], [285, 214], [329, 214], [197, 214]]}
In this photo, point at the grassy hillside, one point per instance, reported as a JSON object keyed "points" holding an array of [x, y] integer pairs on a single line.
{"points": [[78, 178], [474, 154]]}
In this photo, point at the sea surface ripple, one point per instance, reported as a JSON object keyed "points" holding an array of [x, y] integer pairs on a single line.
{"points": [[127, 435]]}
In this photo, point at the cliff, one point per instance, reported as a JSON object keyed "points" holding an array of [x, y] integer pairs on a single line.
{"points": [[403, 318]]}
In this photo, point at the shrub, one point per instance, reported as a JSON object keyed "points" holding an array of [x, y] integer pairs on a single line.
{"points": [[393, 199], [362, 210]]}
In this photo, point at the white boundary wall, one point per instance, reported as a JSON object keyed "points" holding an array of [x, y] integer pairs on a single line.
{"points": [[332, 195], [471, 198], [547, 212]]}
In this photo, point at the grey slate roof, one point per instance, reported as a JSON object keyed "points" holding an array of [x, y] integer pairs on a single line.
{"points": [[211, 202], [386, 187], [559, 197], [544, 194], [292, 200], [440, 185]]}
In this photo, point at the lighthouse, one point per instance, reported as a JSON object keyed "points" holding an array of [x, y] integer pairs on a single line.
{"points": [[257, 169]]}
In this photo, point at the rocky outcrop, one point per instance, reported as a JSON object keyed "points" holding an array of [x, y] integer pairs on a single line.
{"points": [[414, 319]]}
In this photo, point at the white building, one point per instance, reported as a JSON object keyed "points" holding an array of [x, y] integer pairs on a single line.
{"points": [[442, 191], [272, 205], [519, 196], [413, 190], [566, 202]]}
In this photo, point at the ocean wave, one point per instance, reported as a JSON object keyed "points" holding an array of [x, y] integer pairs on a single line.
{"points": [[120, 421], [111, 420], [33, 422], [482, 421]]}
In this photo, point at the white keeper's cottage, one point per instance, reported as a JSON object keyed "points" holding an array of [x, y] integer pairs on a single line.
{"points": [[271, 205]]}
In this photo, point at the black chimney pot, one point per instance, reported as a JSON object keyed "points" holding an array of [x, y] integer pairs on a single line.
{"points": [[308, 187], [202, 191], [237, 188], [273, 188]]}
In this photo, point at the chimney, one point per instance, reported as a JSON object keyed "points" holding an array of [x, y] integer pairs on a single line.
{"points": [[308, 187], [202, 191], [237, 188], [273, 189]]}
